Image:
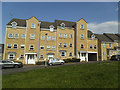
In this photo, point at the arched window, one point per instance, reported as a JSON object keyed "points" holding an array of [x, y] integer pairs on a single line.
{"points": [[62, 25], [51, 28], [14, 24]]}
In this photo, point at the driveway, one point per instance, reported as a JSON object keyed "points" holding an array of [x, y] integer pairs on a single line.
{"points": [[32, 67]]}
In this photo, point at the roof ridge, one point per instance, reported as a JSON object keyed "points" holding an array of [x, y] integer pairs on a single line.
{"points": [[64, 20]]}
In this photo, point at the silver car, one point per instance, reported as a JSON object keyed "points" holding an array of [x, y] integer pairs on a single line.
{"points": [[8, 63]]}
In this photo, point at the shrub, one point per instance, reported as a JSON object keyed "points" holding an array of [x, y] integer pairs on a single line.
{"points": [[71, 60]]}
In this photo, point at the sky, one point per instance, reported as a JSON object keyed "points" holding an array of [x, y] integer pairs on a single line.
{"points": [[102, 17]]}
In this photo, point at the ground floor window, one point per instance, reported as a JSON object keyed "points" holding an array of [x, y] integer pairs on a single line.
{"points": [[11, 56], [41, 56], [21, 56], [62, 53], [70, 54]]}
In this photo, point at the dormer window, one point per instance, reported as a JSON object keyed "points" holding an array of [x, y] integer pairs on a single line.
{"points": [[62, 25], [92, 36], [14, 24], [32, 25], [51, 28], [82, 27]]}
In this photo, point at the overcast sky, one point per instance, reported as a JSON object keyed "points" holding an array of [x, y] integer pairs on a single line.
{"points": [[101, 16]]}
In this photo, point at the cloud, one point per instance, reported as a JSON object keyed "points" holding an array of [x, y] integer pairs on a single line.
{"points": [[105, 27]]}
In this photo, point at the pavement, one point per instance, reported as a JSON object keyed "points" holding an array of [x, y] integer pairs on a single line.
{"points": [[26, 68]]}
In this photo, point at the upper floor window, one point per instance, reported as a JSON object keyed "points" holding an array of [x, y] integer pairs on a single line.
{"points": [[9, 45], [48, 38], [62, 26], [82, 46], [21, 56], [104, 53], [104, 45], [65, 35], [22, 46], [70, 35], [14, 24], [32, 36], [117, 44], [31, 47], [15, 46], [82, 36], [11, 56], [41, 47], [10, 35], [60, 44], [109, 44], [23, 35], [15, 35], [70, 44], [41, 56], [65, 44], [48, 47], [60, 35], [51, 28], [90, 46], [70, 54], [42, 37], [53, 38], [82, 26], [32, 25], [62, 53], [95, 47], [53, 47]]}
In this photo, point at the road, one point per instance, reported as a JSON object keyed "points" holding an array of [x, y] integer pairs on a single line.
{"points": [[26, 68]]}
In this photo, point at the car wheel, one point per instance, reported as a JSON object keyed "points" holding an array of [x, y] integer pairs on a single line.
{"points": [[62, 63], [16, 66], [118, 59]]}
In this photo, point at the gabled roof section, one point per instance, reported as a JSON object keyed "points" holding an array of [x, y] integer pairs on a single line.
{"points": [[81, 19], [112, 36], [67, 23], [89, 33], [103, 38], [47, 24], [20, 22]]}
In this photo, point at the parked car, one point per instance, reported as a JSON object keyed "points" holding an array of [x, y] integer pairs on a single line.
{"points": [[115, 57], [54, 61], [8, 63]]}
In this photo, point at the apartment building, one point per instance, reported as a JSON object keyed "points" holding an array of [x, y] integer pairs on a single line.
{"points": [[31, 40]]}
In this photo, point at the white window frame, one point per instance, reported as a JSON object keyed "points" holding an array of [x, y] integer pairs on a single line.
{"points": [[21, 56], [9, 35], [41, 56], [65, 35], [82, 45], [23, 35], [117, 44], [14, 25], [70, 54], [65, 45], [60, 44], [62, 26], [82, 36], [31, 47], [48, 38], [42, 37], [48, 47], [70, 44], [53, 47], [51, 28], [70, 35], [15, 35], [32, 25], [82, 26], [41, 47], [53, 38], [64, 54], [104, 45], [8, 45], [60, 35], [32, 36], [12, 56], [22, 45], [14, 46]]}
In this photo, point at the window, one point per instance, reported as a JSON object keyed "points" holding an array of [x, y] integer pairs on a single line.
{"points": [[104, 45], [22, 46], [41, 47], [70, 35], [14, 24], [9, 46], [15, 35], [109, 44], [32, 25], [53, 47], [31, 47], [65, 44], [117, 44], [51, 28], [60, 35], [60, 44], [11, 56], [48, 47], [15, 46], [70, 44], [114, 53], [82, 46], [62, 26], [82, 36], [10, 35], [32, 36], [62, 53], [53, 38], [82, 26], [104, 53], [42, 37], [23, 35], [95, 46], [90, 46], [41, 56], [70, 54], [48, 38], [118, 52], [65, 35], [21, 56]]}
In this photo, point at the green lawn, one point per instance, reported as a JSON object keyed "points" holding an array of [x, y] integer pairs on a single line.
{"points": [[100, 75]]}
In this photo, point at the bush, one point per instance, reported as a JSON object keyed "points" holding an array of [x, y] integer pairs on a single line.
{"points": [[71, 60], [41, 63]]}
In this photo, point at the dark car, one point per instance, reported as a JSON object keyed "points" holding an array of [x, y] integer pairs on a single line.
{"points": [[115, 57], [8, 63]]}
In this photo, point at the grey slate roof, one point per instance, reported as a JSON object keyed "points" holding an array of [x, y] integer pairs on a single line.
{"points": [[89, 33], [47, 24]]}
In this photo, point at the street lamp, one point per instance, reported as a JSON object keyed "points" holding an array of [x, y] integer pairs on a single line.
{"points": [[46, 51]]}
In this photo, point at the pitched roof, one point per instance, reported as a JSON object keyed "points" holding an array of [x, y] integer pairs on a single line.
{"points": [[47, 24], [67, 23], [103, 38], [112, 36], [20, 22], [89, 33]]}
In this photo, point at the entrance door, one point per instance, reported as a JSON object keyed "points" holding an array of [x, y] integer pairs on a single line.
{"points": [[83, 57], [31, 58]]}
